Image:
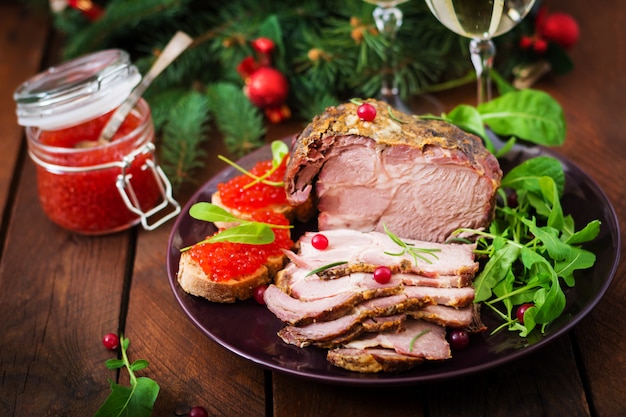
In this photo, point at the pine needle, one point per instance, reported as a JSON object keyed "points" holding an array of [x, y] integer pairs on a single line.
{"points": [[239, 121], [184, 131]]}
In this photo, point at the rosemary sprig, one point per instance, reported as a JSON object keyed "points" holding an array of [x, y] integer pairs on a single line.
{"points": [[410, 248], [417, 336], [393, 116], [325, 267]]}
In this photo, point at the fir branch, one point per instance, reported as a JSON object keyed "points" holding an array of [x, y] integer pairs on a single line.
{"points": [[239, 121], [185, 130], [120, 18]]}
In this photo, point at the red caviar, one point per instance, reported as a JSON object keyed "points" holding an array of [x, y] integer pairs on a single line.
{"points": [[222, 261], [235, 194], [85, 200]]}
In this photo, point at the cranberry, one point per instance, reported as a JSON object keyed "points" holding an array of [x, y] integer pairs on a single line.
{"points": [[198, 411], [110, 341], [366, 112], [319, 241], [258, 294], [382, 274], [459, 339], [521, 310]]}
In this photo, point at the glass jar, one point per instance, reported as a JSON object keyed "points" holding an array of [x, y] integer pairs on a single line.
{"points": [[85, 186]]}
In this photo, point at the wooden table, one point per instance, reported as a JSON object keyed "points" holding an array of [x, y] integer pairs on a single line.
{"points": [[61, 292]]}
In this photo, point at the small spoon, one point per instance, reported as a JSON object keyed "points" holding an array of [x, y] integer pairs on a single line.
{"points": [[179, 42]]}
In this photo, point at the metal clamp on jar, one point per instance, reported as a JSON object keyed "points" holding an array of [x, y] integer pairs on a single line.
{"points": [[94, 188]]}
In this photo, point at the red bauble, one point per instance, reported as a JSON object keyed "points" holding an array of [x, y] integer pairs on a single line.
{"points": [[267, 87], [88, 8], [560, 28]]}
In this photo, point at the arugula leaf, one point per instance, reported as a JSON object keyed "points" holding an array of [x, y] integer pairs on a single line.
{"points": [[533, 248], [138, 399], [251, 233], [211, 213]]}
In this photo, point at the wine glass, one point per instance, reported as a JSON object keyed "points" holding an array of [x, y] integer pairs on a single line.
{"points": [[388, 19], [481, 21]]}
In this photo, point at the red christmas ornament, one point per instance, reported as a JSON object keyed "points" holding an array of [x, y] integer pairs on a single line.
{"points": [[88, 8], [560, 28], [267, 87]]}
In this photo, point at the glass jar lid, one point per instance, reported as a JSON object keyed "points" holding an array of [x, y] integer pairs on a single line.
{"points": [[77, 90]]}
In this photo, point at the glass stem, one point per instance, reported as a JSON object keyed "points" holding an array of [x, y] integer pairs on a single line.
{"points": [[482, 52], [388, 21]]}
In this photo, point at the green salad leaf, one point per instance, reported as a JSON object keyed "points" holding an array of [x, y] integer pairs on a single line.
{"points": [[533, 249], [245, 231]]}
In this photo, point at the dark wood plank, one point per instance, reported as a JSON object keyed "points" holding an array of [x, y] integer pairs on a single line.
{"points": [[59, 294], [190, 368], [541, 384], [595, 107], [22, 43], [318, 399]]}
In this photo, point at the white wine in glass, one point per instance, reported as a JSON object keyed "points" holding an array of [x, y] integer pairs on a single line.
{"points": [[481, 20]]}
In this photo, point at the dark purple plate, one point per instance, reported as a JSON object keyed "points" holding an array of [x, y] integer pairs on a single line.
{"points": [[249, 329]]}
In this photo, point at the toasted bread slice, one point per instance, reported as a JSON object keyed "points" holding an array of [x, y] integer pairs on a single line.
{"points": [[193, 280]]}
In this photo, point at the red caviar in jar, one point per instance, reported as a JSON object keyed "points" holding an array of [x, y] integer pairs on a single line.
{"points": [[238, 194], [83, 199], [222, 261]]}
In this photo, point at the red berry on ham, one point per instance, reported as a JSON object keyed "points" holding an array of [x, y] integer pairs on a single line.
{"points": [[366, 112], [319, 241], [382, 274]]}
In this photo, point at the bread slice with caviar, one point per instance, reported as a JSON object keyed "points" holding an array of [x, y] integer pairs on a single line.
{"points": [[223, 271], [194, 280]]}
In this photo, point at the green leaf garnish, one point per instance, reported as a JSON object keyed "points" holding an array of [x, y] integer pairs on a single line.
{"points": [[325, 267], [247, 231], [528, 114], [410, 248], [533, 248], [136, 400]]}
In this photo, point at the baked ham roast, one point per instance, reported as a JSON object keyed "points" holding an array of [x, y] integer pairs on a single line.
{"points": [[422, 178]]}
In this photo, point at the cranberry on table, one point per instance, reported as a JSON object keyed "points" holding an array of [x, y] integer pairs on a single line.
{"points": [[459, 339], [110, 341], [319, 241], [198, 412], [382, 274], [366, 112], [521, 310]]}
